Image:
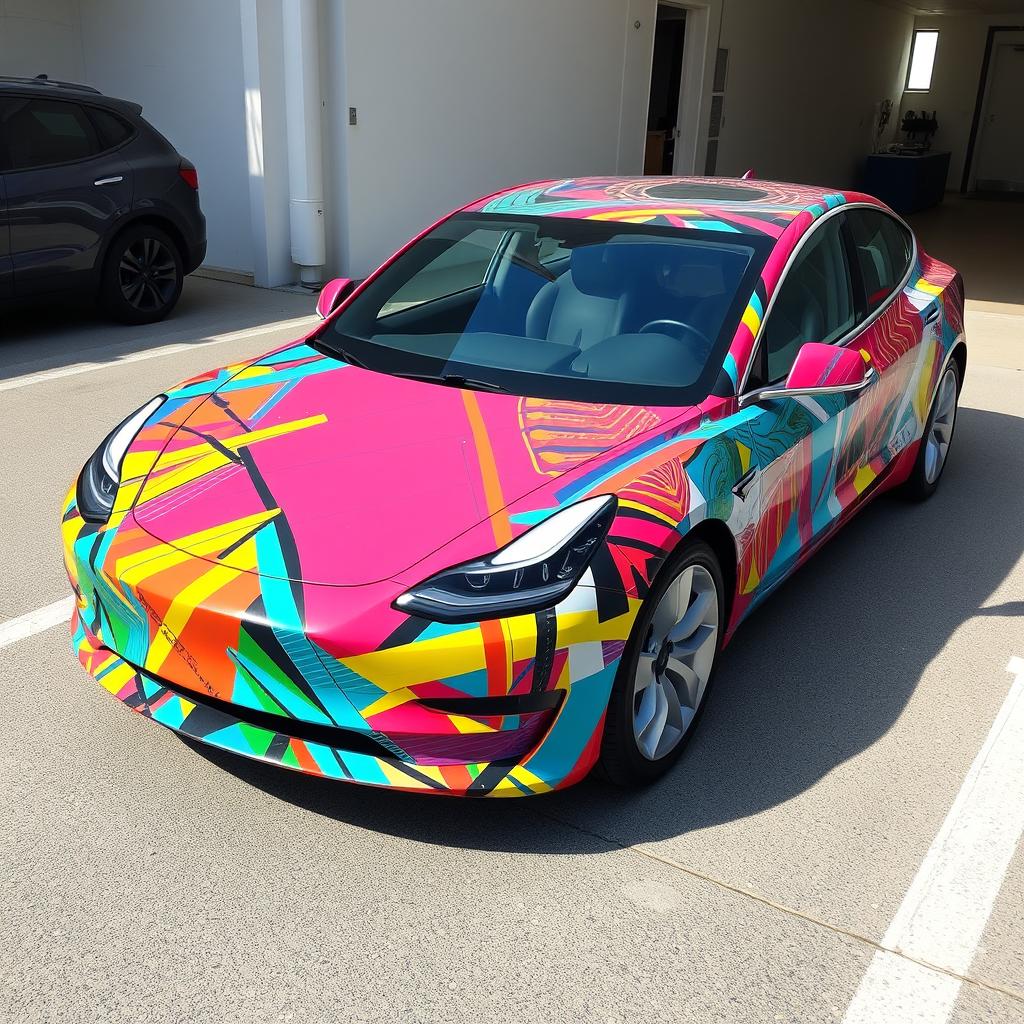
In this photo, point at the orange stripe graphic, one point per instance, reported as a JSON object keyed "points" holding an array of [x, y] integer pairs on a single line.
{"points": [[488, 471], [495, 656]]}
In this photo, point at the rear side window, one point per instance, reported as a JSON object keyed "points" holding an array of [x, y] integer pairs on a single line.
{"points": [[36, 133], [111, 128], [815, 302], [883, 248]]}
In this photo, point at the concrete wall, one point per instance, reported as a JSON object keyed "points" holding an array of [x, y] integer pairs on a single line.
{"points": [[804, 79], [457, 99], [40, 37], [183, 62], [955, 80]]}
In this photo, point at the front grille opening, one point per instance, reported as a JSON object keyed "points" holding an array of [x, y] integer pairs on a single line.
{"points": [[535, 713], [486, 707], [314, 732]]}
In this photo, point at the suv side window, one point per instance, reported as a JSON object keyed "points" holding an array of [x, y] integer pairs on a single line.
{"points": [[38, 132], [112, 130], [815, 302], [883, 248]]}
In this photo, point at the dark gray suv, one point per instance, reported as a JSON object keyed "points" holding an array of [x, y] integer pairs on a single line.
{"points": [[93, 199]]}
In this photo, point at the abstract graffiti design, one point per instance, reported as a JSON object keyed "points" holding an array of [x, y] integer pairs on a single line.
{"points": [[270, 513]]}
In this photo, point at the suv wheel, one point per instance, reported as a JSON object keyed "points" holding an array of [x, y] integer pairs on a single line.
{"points": [[142, 276]]}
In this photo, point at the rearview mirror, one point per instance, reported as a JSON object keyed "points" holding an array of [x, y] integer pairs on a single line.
{"points": [[332, 294], [820, 370]]}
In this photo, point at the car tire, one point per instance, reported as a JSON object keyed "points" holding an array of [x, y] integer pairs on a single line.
{"points": [[631, 754], [933, 452], [142, 275]]}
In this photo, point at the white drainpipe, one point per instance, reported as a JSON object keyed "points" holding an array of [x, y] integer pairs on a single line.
{"points": [[305, 144]]}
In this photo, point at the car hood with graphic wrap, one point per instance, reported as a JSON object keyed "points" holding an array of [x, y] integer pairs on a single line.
{"points": [[371, 474]]}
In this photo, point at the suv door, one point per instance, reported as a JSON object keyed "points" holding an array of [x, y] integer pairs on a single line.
{"points": [[6, 266], [66, 190], [802, 443]]}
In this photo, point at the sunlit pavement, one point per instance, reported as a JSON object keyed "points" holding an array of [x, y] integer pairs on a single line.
{"points": [[144, 879]]}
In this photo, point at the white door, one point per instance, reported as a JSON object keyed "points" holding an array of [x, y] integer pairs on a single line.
{"points": [[1000, 162]]}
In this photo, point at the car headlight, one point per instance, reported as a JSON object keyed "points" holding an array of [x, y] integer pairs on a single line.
{"points": [[535, 571], [99, 479]]}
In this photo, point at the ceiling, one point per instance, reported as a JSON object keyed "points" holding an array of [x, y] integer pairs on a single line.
{"points": [[958, 6]]}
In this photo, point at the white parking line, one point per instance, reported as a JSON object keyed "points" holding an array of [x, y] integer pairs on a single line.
{"points": [[947, 906], [153, 353], [31, 623]]}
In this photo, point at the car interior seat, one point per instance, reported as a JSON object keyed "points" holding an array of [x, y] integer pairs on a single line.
{"points": [[581, 307], [874, 272]]}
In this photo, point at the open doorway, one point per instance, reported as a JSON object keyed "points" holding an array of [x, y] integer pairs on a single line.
{"points": [[995, 162], [663, 129]]}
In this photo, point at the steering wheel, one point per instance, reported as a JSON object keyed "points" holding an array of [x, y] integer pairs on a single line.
{"points": [[652, 326]]}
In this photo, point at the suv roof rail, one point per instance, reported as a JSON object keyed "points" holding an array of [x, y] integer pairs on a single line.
{"points": [[44, 80]]}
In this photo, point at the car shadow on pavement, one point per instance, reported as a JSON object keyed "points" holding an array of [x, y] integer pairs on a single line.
{"points": [[816, 676], [69, 330]]}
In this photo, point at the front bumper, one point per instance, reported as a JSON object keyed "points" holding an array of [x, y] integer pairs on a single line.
{"points": [[505, 708]]}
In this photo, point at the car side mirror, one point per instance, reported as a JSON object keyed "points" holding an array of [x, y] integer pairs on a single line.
{"points": [[820, 370], [332, 294], [825, 366]]}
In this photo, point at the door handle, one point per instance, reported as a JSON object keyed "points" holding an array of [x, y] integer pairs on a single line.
{"points": [[742, 485], [109, 181], [933, 314]]}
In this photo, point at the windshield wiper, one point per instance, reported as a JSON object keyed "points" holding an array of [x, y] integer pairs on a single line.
{"points": [[335, 352], [451, 380]]}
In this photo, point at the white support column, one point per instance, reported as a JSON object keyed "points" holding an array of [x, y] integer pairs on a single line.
{"points": [[305, 142], [263, 81]]}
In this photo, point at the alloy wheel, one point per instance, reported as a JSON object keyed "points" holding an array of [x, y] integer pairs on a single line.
{"points": [[940, 432], [675, 664], [148, 274]]}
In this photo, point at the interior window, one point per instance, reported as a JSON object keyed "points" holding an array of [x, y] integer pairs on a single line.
{"points": [[815, 302], [922, 60], [42, 132], [883, 248]]}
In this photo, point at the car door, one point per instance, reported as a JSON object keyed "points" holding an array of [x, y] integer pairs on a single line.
{"points": [[892, 330], [65, 191], [803, 442], [6, 266]]}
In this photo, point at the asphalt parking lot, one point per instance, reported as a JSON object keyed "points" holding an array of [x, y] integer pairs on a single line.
{"points": [[764, 879]]}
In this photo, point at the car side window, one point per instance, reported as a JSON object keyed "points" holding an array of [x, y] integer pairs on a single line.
{"points": [[883, 248], [112, 130], [38, 133], [814, 303]]}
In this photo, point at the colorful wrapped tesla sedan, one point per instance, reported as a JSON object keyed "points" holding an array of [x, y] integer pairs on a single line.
{"points": [[491, 523]]}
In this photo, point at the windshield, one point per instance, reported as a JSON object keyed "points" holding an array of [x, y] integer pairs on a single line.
{"points": [[556, 308]]}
